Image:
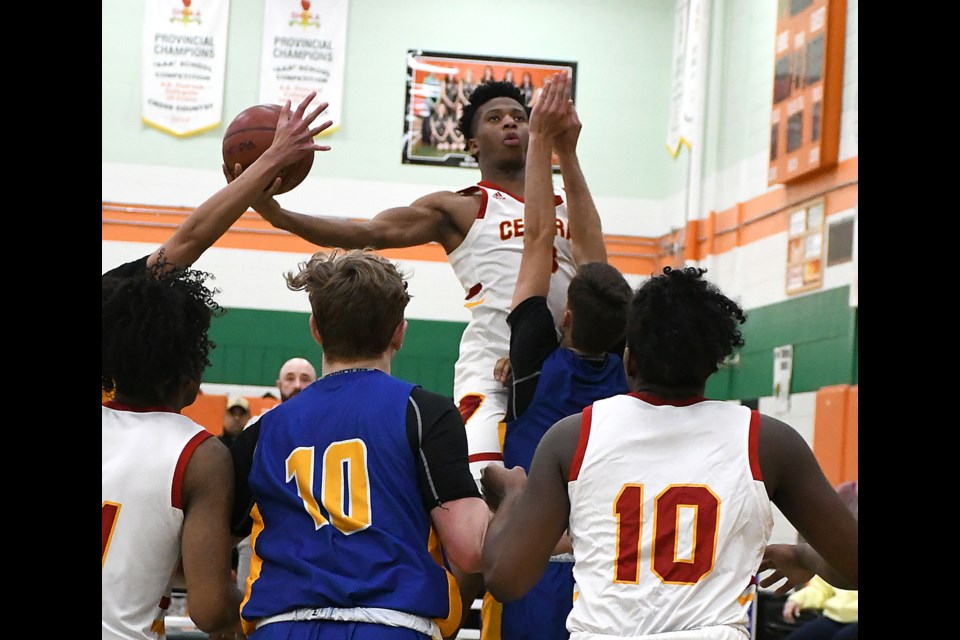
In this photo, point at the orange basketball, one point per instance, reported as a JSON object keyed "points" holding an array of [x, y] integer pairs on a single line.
{"points": [[249, 135]]}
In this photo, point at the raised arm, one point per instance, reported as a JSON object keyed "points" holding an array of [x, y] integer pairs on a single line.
{"points": [[432, 218], [209, 221], [548, 120], [586, 232]]}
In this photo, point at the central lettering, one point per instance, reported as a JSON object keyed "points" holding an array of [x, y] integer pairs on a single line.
{"points": [[514, 229]]}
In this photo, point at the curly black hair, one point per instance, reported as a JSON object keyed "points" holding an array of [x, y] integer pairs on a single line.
{"points": [[484, 93], [154, 332], [681, 328]]}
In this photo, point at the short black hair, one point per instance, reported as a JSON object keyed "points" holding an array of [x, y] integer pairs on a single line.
{"points": [[681, 328], [598, 297], [484, 93], [154, 332]]}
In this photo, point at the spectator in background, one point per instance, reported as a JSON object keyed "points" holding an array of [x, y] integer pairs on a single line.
{"points": [[234, 419], [508, 77], [839, 608], [296, 374]]}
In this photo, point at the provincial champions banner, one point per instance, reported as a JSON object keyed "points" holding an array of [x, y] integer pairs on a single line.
{"points": [[304, 49], [688, 75], [184, 62]]}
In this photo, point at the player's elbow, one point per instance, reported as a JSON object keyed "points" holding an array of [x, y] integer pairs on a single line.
{"points": [[503, 586], [210, 621], [213, 613]]}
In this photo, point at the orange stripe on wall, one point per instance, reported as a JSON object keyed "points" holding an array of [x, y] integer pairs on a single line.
{"points": [[717, 232], [766, 215]]}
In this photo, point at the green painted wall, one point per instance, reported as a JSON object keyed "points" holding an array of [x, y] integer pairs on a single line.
{"points": [[252, 345], [822, 327]]}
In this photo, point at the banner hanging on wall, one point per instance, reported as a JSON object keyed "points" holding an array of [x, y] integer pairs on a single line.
{"points": [[304, 49], [184, 63], [688, 76]]}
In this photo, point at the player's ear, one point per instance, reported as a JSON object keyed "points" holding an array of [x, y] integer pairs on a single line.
{"points": [[314, 331], [398, 334], [627, 362]]}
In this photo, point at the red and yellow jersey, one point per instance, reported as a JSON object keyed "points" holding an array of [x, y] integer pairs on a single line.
{"points": [[487, 263], [144, 457], [669, 516]]}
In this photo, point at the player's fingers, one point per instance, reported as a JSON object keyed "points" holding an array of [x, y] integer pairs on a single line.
{"points": [[302, 107], [320, 108], [323, 127], [274, 187]]}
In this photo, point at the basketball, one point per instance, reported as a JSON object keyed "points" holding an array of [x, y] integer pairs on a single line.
{"points": [[250, 134]]}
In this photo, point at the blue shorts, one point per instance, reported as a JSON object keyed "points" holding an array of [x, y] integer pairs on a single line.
{"points": [[542, 613], [330, 630]]}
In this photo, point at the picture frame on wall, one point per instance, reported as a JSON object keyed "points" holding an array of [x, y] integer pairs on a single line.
{"points": [[439, 84]]}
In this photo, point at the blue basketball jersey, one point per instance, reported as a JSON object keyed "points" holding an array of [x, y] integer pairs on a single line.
{"points": [[567, 384], [339, 520]]}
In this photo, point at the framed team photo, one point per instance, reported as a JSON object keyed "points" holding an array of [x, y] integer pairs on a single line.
{"points": [[440, 84]]}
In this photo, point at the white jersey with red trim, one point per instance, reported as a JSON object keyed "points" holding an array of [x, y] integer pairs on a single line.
{"points": [[144, 456], [669, 517], [487, 263]]}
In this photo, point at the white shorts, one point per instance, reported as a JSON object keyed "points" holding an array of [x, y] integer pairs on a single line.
{"points": [[717, 632], [483, 414]]}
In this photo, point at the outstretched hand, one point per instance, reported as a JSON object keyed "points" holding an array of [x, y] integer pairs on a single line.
{"points": [[784, 562], [294, 136]]}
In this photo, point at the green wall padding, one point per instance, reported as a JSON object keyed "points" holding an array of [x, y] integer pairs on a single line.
{"points": [[252, 345], [822, 327]]}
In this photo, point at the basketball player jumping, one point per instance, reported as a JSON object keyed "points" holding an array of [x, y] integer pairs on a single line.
{"points": [[481, 230]]}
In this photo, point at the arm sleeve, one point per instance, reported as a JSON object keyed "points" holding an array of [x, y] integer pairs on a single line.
{"points": [[242, 452], [438, 440], [533, 337]]}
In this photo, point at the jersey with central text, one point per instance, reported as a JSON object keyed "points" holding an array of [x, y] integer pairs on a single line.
{"points": [[338, 515], [487, 263], [669, 516], [144, 457]]}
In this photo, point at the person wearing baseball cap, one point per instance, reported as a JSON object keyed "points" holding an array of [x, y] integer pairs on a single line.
{"points": [[234, 418]]}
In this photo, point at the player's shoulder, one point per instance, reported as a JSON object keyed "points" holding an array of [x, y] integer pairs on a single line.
{"points": [[454, 204], [425, 397], [462, 197]]}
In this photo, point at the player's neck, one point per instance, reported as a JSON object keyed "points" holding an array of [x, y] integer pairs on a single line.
{"points": [[381, 364], [509, 180], [666, 391]]}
